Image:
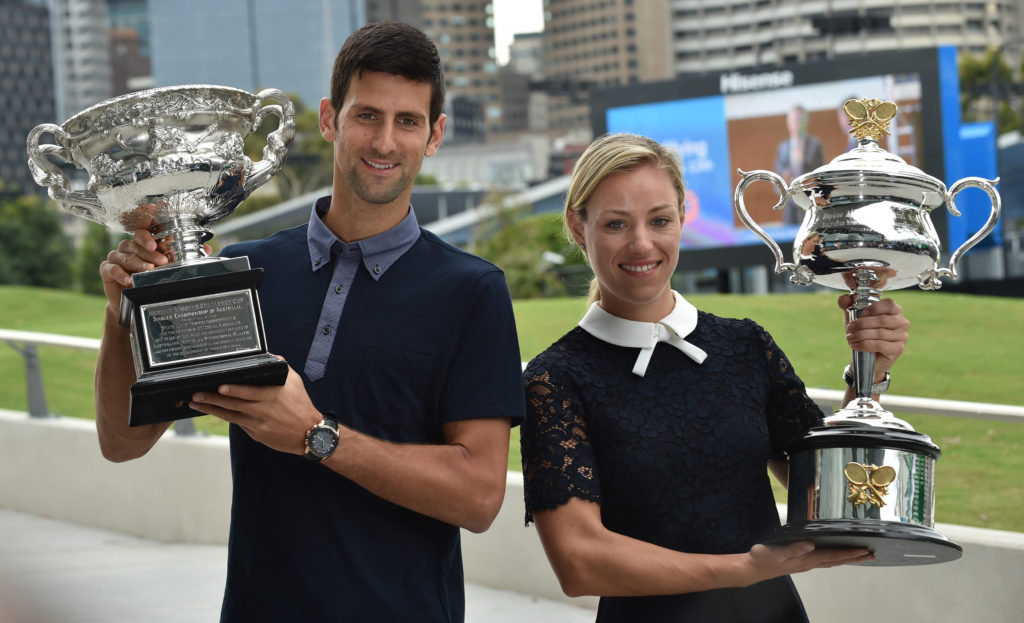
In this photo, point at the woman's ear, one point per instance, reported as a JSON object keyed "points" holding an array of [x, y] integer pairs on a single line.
{"points": [[575, 222]]}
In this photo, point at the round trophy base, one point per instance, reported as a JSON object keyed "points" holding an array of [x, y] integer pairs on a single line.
{"points": [[893, 544]]}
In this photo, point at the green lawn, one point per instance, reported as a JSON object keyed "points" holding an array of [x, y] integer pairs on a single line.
{"points": [[961, 347]]}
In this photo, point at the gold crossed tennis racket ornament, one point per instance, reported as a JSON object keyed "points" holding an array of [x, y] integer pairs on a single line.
{"points": [[869, 118], [868, 484]]}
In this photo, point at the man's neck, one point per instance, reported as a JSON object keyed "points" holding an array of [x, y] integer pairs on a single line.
{"points": [[352, 220]]}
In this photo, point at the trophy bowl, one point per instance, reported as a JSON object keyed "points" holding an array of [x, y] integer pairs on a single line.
{"points": [[866, 478], [171, 161]]}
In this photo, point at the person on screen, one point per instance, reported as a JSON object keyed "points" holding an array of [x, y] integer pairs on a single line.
{"points": [[799, 153], [651, 427], [401, 344], [844, 124]]}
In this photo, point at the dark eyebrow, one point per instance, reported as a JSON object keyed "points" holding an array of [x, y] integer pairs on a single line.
{"points": [[377, 111]]}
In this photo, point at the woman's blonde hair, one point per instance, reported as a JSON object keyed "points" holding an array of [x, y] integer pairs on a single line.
{"points": [[606, 156]]}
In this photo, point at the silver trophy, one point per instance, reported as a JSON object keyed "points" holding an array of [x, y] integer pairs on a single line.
{"points": [[867, 478], [171, 161]]}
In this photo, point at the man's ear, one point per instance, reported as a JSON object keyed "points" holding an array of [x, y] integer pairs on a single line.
{"points": [[436, 135], [328, 117]]}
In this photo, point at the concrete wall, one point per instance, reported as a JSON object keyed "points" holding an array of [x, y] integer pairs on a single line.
{"points": [[180, 492]]}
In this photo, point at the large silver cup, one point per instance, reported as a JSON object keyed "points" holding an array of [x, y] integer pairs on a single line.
{"points": [[171, 161], [867, 479]]}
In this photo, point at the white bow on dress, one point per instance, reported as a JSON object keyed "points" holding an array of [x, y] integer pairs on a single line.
{"points": [[672, 329]]}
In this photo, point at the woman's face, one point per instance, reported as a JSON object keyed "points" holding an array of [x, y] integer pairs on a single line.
{"points": [[631, 238]]}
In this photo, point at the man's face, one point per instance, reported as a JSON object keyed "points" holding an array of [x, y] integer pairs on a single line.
{"points": [[381, 135], [796, 121]]}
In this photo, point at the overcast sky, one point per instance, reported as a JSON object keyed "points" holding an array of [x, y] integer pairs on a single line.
{"points": [[512, 16]]}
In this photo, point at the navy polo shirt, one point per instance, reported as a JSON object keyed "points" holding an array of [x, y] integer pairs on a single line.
{"points": [[428, 340]]}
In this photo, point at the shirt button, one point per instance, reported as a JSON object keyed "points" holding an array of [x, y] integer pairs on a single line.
{"points": [[376, 269], [316, 262], [326, 330], [338, 289]]}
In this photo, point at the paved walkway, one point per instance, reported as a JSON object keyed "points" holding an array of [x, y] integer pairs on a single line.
{"points": [[57, 572]]}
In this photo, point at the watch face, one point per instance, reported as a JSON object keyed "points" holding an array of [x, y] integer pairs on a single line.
{"points": [[322, 442]]}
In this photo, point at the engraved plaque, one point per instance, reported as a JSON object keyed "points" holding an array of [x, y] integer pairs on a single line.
{"points": [[201, 327]]}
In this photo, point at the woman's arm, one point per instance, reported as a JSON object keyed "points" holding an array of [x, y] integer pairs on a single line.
{"points": [[589, 559]]}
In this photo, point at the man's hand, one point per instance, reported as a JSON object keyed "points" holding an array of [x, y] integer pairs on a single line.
{"points": [[277, 416], [131, 256]]}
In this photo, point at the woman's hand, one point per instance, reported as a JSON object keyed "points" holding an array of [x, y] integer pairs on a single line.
{"points": [[881, 329], [770, 561]]}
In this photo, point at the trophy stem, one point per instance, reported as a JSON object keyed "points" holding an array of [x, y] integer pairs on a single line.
{"points": [[181, 240], [863, 363], [863, 409]]}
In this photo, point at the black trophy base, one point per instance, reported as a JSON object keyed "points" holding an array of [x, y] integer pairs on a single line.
{"points": [[893, 544], [164, 396]]}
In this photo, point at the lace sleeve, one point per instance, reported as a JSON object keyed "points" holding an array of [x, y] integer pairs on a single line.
{"points": [[558, 460], [790, 411]]}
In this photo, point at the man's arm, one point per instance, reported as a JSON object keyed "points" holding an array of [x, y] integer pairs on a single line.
{"points": [[461, 481], [115, 368]]}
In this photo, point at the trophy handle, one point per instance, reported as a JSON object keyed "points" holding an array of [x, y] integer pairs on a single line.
{"points": [[930, 279], [271, 102], [741, 211], [46, 173]]}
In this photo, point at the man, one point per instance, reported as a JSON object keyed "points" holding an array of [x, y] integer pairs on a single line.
{"points": [[800, 153], [403, 343]]}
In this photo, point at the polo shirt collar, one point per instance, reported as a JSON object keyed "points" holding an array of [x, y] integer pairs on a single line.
{"points": [[672, 329], [379, 252]]}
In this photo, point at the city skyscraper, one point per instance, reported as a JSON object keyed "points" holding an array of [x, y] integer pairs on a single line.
{"points": [[406, 11], [131, 68], [80, 31], [26, 87], [711, 35], [600, 43], [252, 44], [464, 35]]}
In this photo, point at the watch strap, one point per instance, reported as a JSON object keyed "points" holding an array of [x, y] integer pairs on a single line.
{"points": [[878, 388]]}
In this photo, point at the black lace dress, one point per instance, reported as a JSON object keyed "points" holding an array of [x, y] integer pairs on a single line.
{"points": [[677, 457]]}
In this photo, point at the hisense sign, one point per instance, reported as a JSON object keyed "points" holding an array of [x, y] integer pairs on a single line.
{"points": [[738, 83]]}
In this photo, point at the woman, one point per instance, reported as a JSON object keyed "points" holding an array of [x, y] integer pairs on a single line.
{"points": [[644, 463]]}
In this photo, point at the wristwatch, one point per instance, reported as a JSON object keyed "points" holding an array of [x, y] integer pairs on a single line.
{"points": [[878, 388], [322, 439]]}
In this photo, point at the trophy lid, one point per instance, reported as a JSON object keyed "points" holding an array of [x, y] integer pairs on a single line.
{"points": [[869, 167]]}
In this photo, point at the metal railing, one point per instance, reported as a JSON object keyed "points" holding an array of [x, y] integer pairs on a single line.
{"points": [[25, 343]]}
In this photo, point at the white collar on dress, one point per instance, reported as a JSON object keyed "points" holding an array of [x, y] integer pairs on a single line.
{"points": [[673, 329]]}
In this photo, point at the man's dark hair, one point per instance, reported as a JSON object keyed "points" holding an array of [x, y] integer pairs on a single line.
{"points": [[393, 48]]}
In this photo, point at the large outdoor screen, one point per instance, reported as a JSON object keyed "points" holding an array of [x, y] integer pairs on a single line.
{"points": [[785, 119], [714, 136]]}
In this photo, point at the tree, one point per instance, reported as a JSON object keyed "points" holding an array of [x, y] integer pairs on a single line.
{"points": [[310, 161], [976, 79], [516, 242], [33, 248], [96, 245]]}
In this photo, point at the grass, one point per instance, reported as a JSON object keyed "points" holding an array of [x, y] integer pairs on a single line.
{"points": [[962, 347]]}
